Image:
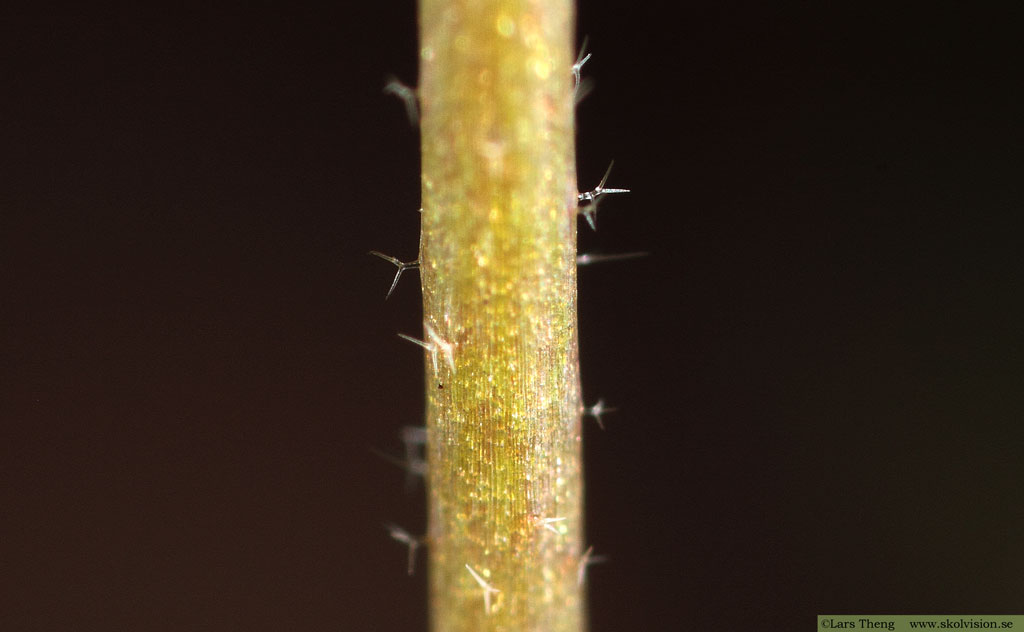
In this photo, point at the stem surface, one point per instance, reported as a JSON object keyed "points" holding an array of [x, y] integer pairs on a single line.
{"points": [[498, 269]]}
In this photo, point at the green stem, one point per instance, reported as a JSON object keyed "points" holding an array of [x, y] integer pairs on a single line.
{"points": [[498, 269]]}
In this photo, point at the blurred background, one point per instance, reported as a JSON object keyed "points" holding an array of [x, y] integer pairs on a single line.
{"points": [[818, 369]]}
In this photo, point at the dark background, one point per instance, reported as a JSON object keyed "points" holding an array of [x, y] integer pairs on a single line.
{"points": [[818, 369]]}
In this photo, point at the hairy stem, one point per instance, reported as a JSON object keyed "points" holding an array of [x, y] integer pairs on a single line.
{"points": [[498, 268]]}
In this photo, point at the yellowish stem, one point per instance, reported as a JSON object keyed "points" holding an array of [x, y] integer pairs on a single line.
{"points": [[498, 268]]}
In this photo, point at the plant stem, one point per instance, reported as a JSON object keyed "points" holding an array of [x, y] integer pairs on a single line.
{"points": [[498, 268]]}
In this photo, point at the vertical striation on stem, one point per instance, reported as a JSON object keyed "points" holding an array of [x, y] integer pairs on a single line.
{"points": [[498, 269]]}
